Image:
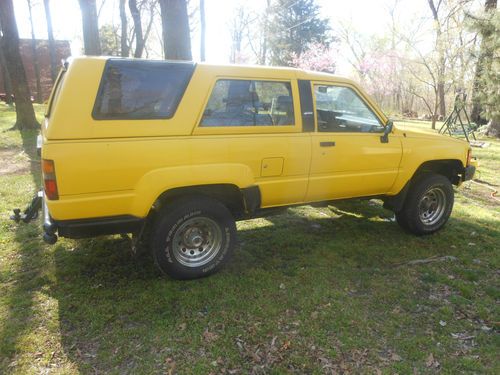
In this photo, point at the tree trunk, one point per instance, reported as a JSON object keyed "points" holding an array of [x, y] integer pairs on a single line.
{"points": [[202, 33], [136, 16], [441, 59], [25, 115], [442, 103], [91, 43], [475, 116], [435, 112], [6, 79], [52, 44], [124, 34], [265, 32], [36, 65], [175, 30]]}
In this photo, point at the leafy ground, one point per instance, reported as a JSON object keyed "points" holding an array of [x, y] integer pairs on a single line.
{"points": [[311, 291]]}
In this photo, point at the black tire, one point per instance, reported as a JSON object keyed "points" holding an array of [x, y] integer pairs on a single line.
{"points": [[428, 205], [193, 237]]}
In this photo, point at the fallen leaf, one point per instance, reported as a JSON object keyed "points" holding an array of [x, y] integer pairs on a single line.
{"points": [[210, 336], [395, 357], [431, 362], [285, 345]]}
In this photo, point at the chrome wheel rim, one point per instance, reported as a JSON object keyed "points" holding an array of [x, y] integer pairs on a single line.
{"points": [[197, 241], [432, 206]]}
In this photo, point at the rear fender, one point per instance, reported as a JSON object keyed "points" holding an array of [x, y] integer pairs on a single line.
{"points": [[156, 182]]}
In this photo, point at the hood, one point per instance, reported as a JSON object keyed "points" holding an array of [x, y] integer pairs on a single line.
{"points": [[427, 134]]}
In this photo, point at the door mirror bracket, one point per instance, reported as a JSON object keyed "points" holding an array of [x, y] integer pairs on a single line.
{"points": [[384, 138]]}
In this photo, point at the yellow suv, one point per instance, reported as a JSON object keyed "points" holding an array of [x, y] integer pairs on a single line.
{"points": [[184, 150]]}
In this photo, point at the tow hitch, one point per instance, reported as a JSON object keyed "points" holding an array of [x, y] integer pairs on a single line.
{"points": [[31, 212]]}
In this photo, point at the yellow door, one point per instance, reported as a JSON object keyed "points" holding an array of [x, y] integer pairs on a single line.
{"points": [[253, 122], [348, 158]]}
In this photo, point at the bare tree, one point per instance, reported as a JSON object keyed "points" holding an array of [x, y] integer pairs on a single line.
{"points": [[139, 39], [9, 43], [175, 30], [52, 43], [36, 65], [125, 50], [258, 37], [238, 29], [202, 32], [441, 65], [91, 41]]}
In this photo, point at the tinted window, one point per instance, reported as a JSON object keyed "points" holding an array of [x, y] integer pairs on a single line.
{"points": [[141, 90], [249, 103], [340, 109]]}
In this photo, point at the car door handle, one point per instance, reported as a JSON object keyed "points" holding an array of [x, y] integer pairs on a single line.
{"points": [[327, 144]]}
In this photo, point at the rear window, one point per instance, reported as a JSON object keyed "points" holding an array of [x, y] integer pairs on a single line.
{"points": [[133, 90]]}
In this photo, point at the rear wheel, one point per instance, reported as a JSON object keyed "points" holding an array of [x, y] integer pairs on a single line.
{"points": [[193, 237], [428, 205]]}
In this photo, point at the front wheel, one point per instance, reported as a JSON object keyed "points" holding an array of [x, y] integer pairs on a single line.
{"points": [[193, 237], [428, 205]]}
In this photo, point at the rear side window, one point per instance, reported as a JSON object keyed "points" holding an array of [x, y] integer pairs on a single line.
{"points": [[132, 90], [249, 103]]}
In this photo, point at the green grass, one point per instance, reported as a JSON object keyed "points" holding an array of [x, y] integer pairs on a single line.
{"points": [[309, 291]]}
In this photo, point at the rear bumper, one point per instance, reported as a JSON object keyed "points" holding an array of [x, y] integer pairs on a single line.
{"points": [[84, 228], [469, 172]]}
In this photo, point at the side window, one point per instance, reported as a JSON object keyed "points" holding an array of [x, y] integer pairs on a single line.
{"points": [[141, 90], [249, 103], [340, 109]]}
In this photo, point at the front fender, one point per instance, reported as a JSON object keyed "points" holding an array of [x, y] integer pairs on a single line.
{"points": [[158, 181]]}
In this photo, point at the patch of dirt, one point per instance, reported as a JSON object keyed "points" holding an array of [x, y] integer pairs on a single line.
{"points": [[14, 161]]}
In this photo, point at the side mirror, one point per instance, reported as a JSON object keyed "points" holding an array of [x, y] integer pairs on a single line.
{"points": [[384, 138]]}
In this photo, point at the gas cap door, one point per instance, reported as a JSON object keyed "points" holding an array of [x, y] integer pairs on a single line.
{"points": [[271, 167]]}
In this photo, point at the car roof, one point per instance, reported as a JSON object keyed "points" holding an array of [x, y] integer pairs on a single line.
{"points": [[238, 69]]}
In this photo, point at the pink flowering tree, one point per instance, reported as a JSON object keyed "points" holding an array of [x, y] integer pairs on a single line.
{"points": [[318, 57]]}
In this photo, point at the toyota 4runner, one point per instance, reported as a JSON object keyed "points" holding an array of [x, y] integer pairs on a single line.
{"points": [[180, 151]]}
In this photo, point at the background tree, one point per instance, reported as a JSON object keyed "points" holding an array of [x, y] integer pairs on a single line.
{"points": [[36, 65], [175, 30], [293, 26], [487, 78], [52, 43], [6, 78], [124, 46], [238, 29], [9, 43], [110, 43], [136, 17], [434, 5], [485, 29], [92, 45], [317, 57], [202, 30]]}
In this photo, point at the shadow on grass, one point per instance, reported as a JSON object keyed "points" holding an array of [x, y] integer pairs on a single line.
{"points": [[31, 272], [116, 313]]}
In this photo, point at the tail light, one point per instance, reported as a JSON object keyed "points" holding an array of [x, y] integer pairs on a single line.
{"points": [[49, 179], [469, 156]]}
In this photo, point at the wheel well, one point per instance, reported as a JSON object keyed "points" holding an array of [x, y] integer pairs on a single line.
{"points": [[452, 169], [230, 195]]}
